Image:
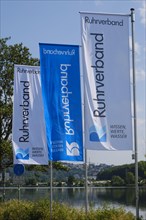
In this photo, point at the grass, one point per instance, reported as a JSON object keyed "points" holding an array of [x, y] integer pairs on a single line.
{"points": [[40, 210]]}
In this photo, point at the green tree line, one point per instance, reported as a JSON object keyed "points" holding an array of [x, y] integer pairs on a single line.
{"points": [[124, 174]]}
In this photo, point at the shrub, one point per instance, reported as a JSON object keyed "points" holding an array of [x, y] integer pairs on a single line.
{"points": [[40, 210], [14, 210], [107, 213]]}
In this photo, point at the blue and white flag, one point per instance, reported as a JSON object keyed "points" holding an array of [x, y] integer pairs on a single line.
{"points": [[108, 121], [60, 77], [28, 130]]}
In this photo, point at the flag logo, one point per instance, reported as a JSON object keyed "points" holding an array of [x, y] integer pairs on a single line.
{"points": [[22, 154], [72, 149], [97, 134]]}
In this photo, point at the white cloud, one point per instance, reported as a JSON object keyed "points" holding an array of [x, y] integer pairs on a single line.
{"points": [[137, 49], [142, 12], [136, 45], [140, 74]]}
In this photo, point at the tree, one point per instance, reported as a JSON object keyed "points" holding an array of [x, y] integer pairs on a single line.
{"points": [[71, 180], [9, 55], [130, 179], [117, 181]]}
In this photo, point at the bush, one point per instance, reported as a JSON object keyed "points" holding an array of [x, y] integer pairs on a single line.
{"points": [[108, 213], [40, 210], [14, 210]]}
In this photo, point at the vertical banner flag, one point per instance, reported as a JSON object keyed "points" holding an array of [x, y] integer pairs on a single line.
{"points": [[28, 131], [60, 76], [108, 121]]}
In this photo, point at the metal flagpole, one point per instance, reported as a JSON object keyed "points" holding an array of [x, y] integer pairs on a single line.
{"points": [[51, 194], [86, 165], [86, 182], [134, 113]]}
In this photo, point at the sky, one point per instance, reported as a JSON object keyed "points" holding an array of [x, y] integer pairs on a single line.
{"points": [[32, 22]]}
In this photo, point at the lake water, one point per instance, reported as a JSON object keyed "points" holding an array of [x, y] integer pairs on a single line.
{"points": [[97, 196]]}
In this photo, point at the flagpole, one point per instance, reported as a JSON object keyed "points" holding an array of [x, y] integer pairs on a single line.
{"points": [[86, 182], [134, 113], [85, 154], [51, 194]]}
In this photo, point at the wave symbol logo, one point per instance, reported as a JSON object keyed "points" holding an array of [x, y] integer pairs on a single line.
{"points": [[98, 134], [22, 154], [72, 149]]}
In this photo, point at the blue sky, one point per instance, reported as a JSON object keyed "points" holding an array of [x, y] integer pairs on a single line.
{"points": [[31, 22]]}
